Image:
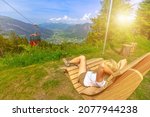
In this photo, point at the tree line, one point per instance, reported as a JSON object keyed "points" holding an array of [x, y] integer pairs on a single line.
{"points": [[140, 25]]}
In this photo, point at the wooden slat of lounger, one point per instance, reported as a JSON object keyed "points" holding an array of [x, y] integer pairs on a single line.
{"points": [[144, 69], [126, 74], [89, 66], [121, 89], [77, 85], [88, 63], [79, 89], [144, 65], [125, 93], [74, 76], [71, 68], [94, 68], [74, 81], [117, 82], [131, 84]]}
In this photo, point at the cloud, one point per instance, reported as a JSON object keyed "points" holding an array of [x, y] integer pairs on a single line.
{"points": [[97, 12], [66, 19], [86, 17]]}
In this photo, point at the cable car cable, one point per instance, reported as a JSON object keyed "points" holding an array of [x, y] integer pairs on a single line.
{"points": [[18, 12]]}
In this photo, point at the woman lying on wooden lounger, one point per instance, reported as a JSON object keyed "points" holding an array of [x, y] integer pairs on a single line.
{"points": [[90, 78]]}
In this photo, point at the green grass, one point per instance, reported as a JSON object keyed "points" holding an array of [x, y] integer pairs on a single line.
{"points": [[142, 92], [39, 55], [36, 74], [39, 81], [51, 84]]}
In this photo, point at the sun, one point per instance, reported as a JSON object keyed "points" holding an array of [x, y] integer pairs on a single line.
{"points": [[125, 19]]}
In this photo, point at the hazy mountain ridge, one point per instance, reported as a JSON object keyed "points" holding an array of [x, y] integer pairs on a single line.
{"points": [[75, 33], [55, 26], [78, 30], [49, 31], [8, 24], [69, 30]]}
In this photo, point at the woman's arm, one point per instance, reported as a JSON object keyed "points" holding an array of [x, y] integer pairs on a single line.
{"points": [[107, 70], [102, 70]]}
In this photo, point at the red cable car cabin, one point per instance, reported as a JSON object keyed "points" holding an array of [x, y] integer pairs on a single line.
{"points": [[35, 39]]}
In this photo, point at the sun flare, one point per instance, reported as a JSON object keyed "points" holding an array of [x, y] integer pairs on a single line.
{"points": [[124, 19]]}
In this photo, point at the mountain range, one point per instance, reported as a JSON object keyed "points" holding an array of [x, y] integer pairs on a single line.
{"points": [[47, 30], [8, 24]]}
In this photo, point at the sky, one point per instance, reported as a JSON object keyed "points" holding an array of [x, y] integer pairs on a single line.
{"points": [[41, 11]]}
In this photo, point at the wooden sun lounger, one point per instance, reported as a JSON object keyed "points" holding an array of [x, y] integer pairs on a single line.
{"points": [[126, 80]]}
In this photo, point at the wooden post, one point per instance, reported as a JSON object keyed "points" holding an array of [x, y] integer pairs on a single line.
{"points": [[133, 47], [126, 49]]}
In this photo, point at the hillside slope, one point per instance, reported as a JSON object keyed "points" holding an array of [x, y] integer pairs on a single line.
{"points": [[45, 80]]}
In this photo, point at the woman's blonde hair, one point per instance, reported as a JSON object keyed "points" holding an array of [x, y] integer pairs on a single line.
{"points": [[111, 64]]}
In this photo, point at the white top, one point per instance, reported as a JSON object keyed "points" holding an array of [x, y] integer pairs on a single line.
{"points": [[90, 80]]}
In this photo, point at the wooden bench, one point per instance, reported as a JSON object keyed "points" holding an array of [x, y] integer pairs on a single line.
{"points": [[125, 83]]}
